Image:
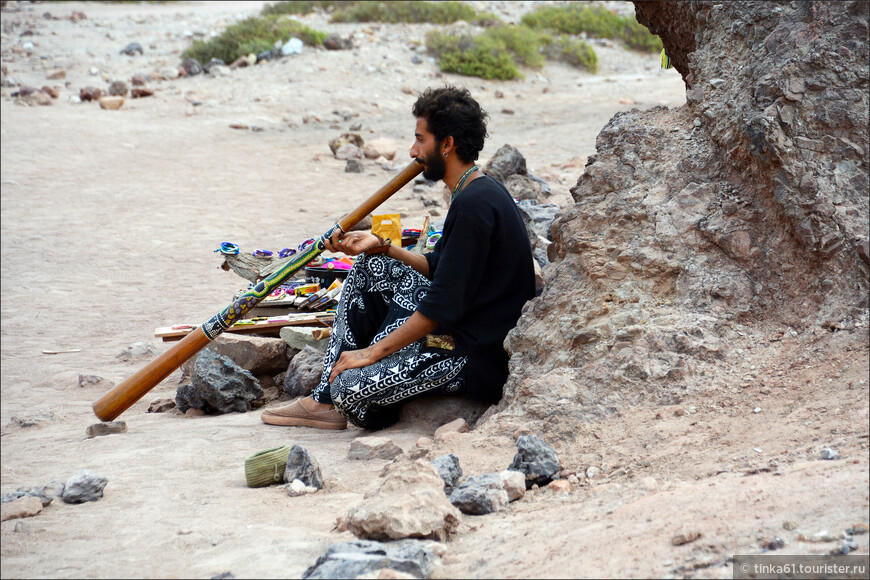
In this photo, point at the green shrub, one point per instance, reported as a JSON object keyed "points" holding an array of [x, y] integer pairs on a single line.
{"points": [[637, 36], [595, 21], [480, 62], [574, 51], [296, 7], [496, 52], [252, 35], [524, 44], [404, 11]]}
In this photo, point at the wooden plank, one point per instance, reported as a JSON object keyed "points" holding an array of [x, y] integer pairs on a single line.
{"points": [[269, 327]]}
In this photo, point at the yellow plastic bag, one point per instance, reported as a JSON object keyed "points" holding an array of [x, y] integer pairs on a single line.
{"points": [[388, 226]]}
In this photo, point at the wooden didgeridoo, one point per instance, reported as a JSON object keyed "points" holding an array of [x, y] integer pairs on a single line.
{"points": [[120, 398]]}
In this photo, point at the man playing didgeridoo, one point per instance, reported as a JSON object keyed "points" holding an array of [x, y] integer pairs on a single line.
{"points": [[412, 324]]}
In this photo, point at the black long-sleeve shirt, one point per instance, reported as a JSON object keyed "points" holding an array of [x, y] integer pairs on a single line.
{"points": [[482, 274]]}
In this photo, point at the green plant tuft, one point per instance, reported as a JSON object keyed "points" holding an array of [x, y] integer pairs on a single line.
{"points": [[595, 21], [480, 62], [297, 7], [404, 11], [252, 35], [496, 52], [575, 52]]}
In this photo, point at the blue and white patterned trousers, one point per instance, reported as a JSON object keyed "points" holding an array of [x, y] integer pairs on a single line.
{"points": [[380, 294]]}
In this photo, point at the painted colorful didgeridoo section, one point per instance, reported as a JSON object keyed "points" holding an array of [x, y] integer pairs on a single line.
{"points": [[120, 398]]}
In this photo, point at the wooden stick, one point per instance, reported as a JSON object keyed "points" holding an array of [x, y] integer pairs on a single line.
{"points": [[120, 398]]}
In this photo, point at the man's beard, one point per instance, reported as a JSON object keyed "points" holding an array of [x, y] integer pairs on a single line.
{"points": [[434, 166]]}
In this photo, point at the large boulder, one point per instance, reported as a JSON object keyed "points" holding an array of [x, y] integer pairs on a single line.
{"points": [[257, 355], [410, 503], [303, 372], [218, 386], [701, 229], [369, 559]]}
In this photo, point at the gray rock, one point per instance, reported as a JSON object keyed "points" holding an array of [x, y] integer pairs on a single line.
{"points": [[301, 466], [192, 67], [108, 428], [138, 350], [218, 386], [433, 412], [336, 42], [132, 48], [507, 161], [161, 405], [215, 61], [82, 486], [88, 380], [828, 453], [46, 493], [373, 448], [537, 460], [523, 187], [354, 166], [255, 354], [297, 338], [480, 494], [367, 557], [347, 138], [448, 468], [303, 372], [118, 89]]}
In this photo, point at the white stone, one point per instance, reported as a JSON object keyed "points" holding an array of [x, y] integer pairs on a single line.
{"points": [[292, 46], [514, 483]]}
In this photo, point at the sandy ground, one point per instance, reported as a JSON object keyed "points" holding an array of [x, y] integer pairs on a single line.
{"points": [[109, 222]]}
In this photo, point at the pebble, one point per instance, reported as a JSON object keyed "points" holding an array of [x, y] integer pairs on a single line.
{"points": [[789, 525], [112, 103], [649, 483], [118, 89], [857, 530], [828, 453], [90, 93], [98, 429], [161, 405], [297, 488], [140, 92], [775, 544], [592, 472], [353, 166], [560, 486], [292, 46], [685, 538], [455, 426], [132, 48], [365, 448]]}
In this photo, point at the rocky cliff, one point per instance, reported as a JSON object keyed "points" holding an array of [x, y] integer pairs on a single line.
{"points": [[740, 215]]}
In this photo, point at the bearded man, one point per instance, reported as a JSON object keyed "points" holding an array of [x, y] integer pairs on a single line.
{"points": [[410, 324]]}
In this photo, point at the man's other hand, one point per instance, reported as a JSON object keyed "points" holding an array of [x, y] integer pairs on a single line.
{"points": [[351, 243]]}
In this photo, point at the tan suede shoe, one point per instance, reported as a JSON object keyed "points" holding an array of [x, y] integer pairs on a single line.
{"points": [[296, 415]]}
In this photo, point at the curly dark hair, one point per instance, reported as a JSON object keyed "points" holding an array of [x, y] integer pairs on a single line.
{"points": [[452, 112]]}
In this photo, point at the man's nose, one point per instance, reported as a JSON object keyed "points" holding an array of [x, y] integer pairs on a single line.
{"points": [[414, 152]]}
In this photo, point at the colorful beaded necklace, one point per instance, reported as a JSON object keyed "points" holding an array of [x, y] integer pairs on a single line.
{"points": [[461, 183]]}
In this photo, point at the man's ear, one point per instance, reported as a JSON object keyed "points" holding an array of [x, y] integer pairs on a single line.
{"points": [[447, 145]]}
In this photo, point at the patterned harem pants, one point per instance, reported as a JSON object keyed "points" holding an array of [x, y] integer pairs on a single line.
{"points": [[379, 294]]}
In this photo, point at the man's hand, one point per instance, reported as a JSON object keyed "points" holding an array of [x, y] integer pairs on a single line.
{"points": [[352, 243], [352, 359]]}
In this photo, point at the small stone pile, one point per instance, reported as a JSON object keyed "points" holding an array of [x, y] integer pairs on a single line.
{"points": [[82, 486]]}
